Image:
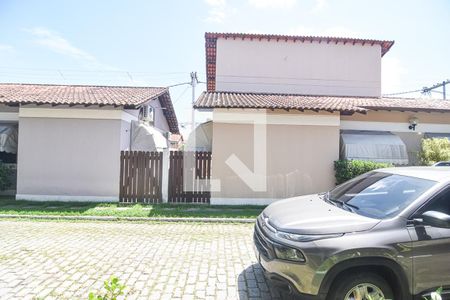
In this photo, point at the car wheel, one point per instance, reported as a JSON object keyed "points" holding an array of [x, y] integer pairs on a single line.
{"points": [[364, 286]]}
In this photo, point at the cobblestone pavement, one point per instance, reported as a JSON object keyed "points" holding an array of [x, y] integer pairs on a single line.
{"points": [[62, 260]]}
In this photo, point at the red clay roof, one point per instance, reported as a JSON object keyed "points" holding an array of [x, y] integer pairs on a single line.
{"points": [[211, 46], [14, 93], [316, 103]]}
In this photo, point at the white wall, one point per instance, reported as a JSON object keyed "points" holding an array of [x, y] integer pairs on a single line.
{"points": [[69, 158], [296, 67], [160, 121]]}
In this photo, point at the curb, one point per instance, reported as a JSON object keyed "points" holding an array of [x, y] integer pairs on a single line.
{"points": [[129, 219]]}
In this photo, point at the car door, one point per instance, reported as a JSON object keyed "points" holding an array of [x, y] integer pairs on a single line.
{"points": [[431, 247]]}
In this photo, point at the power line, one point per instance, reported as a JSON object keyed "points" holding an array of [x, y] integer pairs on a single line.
{"points": [[181, 95], [426, 90], [403, 93], [93, 71]]}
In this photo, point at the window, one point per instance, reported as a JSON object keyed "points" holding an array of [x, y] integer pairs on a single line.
{"points": [[379, 195], [440, 203]]}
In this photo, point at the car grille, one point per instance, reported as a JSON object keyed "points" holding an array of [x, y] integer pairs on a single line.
{"points": [[262, 244]]}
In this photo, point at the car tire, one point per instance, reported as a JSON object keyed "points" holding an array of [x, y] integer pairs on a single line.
{"points": [[373, 282]]}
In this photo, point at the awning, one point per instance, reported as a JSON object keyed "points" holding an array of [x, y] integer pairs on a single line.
{"points": [[8, 138], [147, 138], [431, 135], [203, 138], [378, 146]]}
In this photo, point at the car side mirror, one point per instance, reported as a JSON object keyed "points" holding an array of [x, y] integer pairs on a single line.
{"points": [[436, 219]]}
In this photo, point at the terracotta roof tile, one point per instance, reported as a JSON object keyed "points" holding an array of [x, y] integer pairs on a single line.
{"points": [[77, 94], [14, 93], [316, 103]]}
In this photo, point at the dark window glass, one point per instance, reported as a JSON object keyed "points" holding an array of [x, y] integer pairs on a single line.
{"points": [[379, 195], [440, 203]]}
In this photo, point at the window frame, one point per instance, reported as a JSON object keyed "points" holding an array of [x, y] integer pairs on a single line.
{"points": [[415, 214]]}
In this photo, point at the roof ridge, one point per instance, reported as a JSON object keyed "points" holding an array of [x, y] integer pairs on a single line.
{"points": [[275, 35], [311, 95]]}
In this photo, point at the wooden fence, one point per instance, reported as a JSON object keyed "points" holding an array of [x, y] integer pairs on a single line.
{"points": [[194, 191], [140, 177]]}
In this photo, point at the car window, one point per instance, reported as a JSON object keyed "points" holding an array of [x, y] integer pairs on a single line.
{"points": [[380, 195], [440, 203]]}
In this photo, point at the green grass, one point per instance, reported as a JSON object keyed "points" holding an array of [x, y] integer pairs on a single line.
{"points": [[14, 207]]}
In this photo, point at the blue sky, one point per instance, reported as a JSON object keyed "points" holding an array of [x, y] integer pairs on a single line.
{"points": [[158, 43]]}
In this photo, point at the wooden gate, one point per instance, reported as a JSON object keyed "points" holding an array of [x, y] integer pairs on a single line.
{"points": [[197, 192], [140, 177]]}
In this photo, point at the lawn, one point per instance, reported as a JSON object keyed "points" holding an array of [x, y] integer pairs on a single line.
{"points": [[14, 207]]}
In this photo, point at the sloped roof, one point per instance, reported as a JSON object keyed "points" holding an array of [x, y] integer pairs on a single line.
{"points": [[131, 97], [211, 46], [316, 103]]}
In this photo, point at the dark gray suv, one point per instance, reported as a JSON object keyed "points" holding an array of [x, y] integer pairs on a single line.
{"points": [[382, 235]]}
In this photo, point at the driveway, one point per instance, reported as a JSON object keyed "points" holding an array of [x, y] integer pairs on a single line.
{"points": [[62, 260]]}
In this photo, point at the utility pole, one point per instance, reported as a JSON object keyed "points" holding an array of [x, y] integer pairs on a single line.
{"points": [[443, 88], [428, 90], [194, 82]]}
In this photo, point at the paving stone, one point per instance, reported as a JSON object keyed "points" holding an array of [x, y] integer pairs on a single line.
{"points": [[63, 260]]}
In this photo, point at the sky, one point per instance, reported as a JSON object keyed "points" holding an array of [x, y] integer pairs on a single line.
{"points": [[158, 43]]}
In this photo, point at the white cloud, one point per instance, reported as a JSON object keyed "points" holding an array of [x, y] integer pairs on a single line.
{"points": [[392, 73], [272, 3], [218, 11], [56, 43]]}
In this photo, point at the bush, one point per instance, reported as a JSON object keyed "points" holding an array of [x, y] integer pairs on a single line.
{"points": [[348, 169], [6, 174], [434, 150]]}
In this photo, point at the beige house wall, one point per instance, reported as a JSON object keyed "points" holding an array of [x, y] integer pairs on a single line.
{"points": [[246, 65], [69, 158], [299, 156], [400, 117]]}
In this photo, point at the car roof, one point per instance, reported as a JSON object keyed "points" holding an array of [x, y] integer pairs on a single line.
{"points": [[440, 174]]}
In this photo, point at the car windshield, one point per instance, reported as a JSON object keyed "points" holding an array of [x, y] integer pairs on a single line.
{"points": [[378, 195]]}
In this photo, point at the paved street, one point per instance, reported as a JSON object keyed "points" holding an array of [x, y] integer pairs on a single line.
{"points": [[62, 260]]}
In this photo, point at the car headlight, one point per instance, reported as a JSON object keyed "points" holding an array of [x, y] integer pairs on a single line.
{"points": [[288, 253], [306, 237]]}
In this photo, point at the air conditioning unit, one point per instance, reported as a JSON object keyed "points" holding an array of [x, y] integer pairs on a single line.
{"points": [[147, 114]]}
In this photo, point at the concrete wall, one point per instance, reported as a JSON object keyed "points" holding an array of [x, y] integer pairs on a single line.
{"points": [[300, 68], [299, 156], [76, 158]]}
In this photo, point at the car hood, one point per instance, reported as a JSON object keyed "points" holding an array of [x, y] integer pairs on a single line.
{"points": [[312, 215]]}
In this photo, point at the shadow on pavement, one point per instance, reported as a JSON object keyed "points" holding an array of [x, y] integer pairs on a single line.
{"points": [[253, 285]]}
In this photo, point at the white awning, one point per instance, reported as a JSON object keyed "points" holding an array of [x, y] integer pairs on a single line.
{"points": [[378, 146], [203, 138], [8, 138], [145, 137]]}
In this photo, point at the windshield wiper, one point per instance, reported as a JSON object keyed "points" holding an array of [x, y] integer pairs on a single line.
{"points": [[342, 204]]}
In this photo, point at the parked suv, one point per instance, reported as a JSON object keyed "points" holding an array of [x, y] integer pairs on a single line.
{"points": [[382, 235]]}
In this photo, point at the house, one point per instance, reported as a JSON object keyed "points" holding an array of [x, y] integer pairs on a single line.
{"points": [[286, 107], [176, 141], [70, 137]]}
